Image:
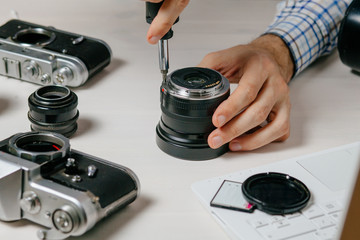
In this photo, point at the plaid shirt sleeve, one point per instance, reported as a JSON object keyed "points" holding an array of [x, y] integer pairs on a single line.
{"points": [[308, 27]]}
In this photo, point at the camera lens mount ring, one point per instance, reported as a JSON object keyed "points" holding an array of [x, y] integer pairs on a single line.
{"points": [[39, 147], [53, 108], [195, 83], [34, 36]]}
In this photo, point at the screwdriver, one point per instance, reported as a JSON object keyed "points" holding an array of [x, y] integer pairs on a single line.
{"points": [[152, 10]]}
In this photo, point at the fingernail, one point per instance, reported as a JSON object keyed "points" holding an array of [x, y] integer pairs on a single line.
{"points": [[154, 39], [217, 141], [235, 146], [221, 120]]}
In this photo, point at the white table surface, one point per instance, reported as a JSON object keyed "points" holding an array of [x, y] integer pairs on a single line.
{"points": [[119, 108]]}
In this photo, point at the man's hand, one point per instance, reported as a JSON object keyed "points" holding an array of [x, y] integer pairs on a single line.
{"points": [[168, 13], [262, 69]]}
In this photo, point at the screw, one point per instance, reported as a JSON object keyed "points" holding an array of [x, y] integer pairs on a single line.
{"points": [[91, 171], [45, 78], [76, 178], [70, 162]]}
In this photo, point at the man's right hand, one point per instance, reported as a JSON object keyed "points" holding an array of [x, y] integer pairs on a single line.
{"points": [[167, 15]]}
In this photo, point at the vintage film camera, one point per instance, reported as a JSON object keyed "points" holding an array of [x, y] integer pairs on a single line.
{"points": [[45, 55], [64, 190]]}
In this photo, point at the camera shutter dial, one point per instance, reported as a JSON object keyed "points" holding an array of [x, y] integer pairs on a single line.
{"points": [[30, 70]]}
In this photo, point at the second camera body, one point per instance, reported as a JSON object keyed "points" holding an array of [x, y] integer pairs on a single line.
{"points": [[48, 56], [64, 190]]}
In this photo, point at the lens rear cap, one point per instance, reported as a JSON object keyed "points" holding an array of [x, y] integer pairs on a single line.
{"points": [[276, 193]]}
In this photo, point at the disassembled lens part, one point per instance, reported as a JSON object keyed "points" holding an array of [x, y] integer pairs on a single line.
{"points": [[189, 97], [53, 108]]}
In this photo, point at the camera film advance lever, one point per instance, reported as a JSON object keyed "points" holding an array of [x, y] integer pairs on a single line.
{"points": [[163, 48]]}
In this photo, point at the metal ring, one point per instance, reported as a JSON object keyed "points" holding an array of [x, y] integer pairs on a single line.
{"points": [[35, 31]]}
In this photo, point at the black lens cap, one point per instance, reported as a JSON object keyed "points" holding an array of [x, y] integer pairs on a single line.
{"points": [[276, 193]]}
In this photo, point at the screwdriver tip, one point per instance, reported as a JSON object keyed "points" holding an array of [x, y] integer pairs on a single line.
{"points": [[164, 74]]}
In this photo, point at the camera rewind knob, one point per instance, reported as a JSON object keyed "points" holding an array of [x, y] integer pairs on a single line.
{"points": [[30, 203]]}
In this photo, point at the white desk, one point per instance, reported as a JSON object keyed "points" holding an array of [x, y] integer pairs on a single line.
{"points": [[119, 108]]}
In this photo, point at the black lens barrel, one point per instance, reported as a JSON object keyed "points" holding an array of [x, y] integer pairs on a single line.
{"points": [[54, 109], [186, 121]]}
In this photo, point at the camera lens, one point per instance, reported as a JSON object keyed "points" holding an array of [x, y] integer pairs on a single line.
{"points": [[53, 108], [189, 97], [39, 146], [34, 36]]}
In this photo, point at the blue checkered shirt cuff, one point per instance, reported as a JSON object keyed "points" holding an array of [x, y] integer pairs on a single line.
{"points": [[309, 28]]}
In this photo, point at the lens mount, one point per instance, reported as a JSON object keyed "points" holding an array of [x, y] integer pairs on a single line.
{"points": [[53, 108], [189, 97], [39, 147], [34, 36], [196, 83]]}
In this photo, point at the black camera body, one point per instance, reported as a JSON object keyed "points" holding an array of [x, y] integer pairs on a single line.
{"points": [[64, 190], [46, 56]]}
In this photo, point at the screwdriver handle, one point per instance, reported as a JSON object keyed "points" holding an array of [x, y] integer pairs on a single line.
{"points": [[152, 10]]}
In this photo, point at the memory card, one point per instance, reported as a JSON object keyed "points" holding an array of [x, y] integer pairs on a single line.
{"points": [[230, 196]]}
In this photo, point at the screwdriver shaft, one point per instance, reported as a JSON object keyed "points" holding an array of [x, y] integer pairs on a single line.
{"points": [[163, 57]]}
